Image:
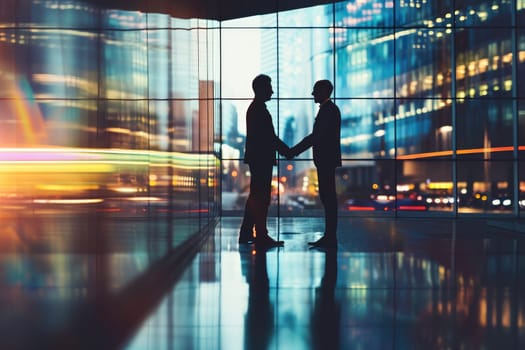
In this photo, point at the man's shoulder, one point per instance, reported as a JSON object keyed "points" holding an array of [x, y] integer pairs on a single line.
{"points": [[257, 107], [330, 107]]}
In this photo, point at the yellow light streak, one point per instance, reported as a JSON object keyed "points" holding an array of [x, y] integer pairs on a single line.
{"points": [[68, 201]]}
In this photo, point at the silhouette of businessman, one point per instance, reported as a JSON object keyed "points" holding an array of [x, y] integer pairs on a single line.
{"points": [[325, 141], [260, 147]]}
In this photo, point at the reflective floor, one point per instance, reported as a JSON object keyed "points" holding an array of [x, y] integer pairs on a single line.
{"points": [[392, 284], [83, 283]]}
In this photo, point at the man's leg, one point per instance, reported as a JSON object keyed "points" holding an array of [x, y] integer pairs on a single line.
{"points": [[263, 179], [246, 230], [329, 202], [328, 196], [253, 205]]}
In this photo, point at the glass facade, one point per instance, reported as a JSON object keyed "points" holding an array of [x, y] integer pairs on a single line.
{"points": [[431, 95], [143, 114], [106, 111]]}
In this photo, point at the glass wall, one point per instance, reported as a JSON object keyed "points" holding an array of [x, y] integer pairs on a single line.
{"points": [[431, 96], [107, 111]]}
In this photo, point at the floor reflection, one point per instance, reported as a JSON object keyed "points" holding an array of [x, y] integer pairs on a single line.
{"points": [[259, 317], [392, 284], [67, 280], [326, 313]]}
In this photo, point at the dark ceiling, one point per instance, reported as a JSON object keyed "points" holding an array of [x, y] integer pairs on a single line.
{"points": [[209, 9]]}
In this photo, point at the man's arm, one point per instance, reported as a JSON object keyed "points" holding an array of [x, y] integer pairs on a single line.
{"points": [[301, 146], [282, 147]]}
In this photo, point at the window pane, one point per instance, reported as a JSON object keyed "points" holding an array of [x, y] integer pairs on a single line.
{"points": [[57, 122], [485, 186], [367, 128], [365, 64], [8, 11], [184, 65], [427, 14], [214, 51], [425, 185], [71, 74], [299, 195], [160, 135], [160, 85], [305, 58], [522, 188], [521, 62], [160, 21], [236, 187], [57, 14], [520, 5], [233, 128], [424, 128], [366, 187], [117, 19], [483, 13], [125, 68], [245, 54], [423, 63], [484, 129], [15, 78], [124, 124], [313, 16], [352, 13], [296, 121], [521, 128], [484, 63]]}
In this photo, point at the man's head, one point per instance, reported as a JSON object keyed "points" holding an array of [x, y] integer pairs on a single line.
{"points": [[322, 90], [262, 87]]}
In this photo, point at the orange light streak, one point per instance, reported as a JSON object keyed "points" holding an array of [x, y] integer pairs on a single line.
{"points": [[459, 152], [353, 207]]}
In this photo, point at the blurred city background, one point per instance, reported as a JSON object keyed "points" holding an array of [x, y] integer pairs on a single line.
{"points": [[135, 113]]}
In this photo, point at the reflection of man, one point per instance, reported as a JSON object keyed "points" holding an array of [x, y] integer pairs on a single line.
{"points": [[325, 141], [259, 319], [326, 314], [261, 144]]}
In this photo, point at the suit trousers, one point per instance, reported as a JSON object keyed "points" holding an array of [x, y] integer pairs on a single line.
{"points": [[328, 196], [258, 202]]}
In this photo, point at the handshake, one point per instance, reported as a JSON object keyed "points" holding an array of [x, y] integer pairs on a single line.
{"points": [[291, 153]]}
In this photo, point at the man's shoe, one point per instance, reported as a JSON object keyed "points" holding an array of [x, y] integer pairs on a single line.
{"points": [[318, 241], [324, 243], [267, 241]]}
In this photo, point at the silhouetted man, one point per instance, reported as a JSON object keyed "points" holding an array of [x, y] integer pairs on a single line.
{"points": [[260, 147], [325, 141]]}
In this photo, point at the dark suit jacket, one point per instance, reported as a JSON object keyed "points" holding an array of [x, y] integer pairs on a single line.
{"points": [[261, 140], [325, 138]]}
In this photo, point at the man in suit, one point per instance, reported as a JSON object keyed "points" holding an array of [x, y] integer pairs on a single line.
{"points": [[325, 141], [260, 147]]}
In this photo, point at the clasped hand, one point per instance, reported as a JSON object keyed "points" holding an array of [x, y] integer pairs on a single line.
{"points": [[291, 153]]}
